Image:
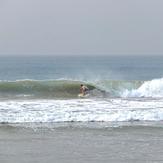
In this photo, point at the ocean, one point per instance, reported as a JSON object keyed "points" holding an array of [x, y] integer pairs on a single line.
{"points": [[120, 120]]}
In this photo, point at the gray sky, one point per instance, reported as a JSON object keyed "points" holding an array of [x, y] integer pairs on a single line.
{"points": [[81, 27]]}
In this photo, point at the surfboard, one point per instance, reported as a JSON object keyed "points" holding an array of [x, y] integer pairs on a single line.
{"points": [[82, 96]]}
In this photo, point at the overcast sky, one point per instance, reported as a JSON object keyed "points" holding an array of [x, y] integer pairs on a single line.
{"points": [[81, 27]]}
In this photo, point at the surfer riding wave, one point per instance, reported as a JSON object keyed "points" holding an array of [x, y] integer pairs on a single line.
{"points": [[84, 89]]}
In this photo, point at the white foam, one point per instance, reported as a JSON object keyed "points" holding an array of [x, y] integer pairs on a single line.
{"points": [[153, 88], [84, 110]]}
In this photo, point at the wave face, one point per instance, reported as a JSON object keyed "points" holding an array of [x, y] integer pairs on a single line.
{"points": [[40, 89], [50, 89]]}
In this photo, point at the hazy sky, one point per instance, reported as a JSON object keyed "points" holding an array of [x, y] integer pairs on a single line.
{"points": [[81, 27]]}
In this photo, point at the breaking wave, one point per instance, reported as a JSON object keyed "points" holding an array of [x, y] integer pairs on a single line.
{"points": [[50, 89]]}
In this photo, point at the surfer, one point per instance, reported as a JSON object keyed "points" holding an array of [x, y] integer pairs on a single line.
{"points": [[83, 89]]}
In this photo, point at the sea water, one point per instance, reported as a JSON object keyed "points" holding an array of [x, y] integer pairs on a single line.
{"points": [[42, 119], [44, 89]]}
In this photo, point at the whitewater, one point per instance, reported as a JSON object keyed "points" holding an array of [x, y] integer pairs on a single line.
{"points": [[49, 111]]}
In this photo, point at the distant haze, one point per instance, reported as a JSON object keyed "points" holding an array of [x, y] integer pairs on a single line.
{"points": [[81, 27]]}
